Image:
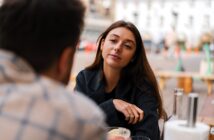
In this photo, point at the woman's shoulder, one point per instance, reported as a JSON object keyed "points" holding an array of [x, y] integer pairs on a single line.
{"points": [[88, 74], [146, 92], [145, 89], [144, 86], [92, 79]]}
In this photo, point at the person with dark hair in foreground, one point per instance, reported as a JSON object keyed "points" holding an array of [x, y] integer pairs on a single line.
{"points": [[37, 45], [122, 83]]}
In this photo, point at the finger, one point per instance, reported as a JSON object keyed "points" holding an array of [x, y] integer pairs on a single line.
{"points": [[127, 115], [136, 115], [140, 112], [121, 107], [132, 111], [141, 115], [131, 119], [126, 112], [129, 112]]}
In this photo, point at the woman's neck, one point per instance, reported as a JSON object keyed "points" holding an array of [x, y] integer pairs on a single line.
{"points": [[112, 77]]}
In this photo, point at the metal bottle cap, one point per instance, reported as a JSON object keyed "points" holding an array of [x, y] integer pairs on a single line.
{"points": [[192, 109]]}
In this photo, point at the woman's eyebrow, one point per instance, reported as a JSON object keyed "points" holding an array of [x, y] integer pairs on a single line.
{"points": [[130, 41], [127, 40], [114, 35]]}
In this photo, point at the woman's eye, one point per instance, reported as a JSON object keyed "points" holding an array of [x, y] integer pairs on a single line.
{"points": [[113, 40], [127, 45]]}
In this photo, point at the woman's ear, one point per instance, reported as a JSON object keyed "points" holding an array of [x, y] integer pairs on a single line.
{"points": [[102, 43]]}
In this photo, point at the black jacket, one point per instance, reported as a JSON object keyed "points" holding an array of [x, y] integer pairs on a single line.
{"points": [[92, 85]]}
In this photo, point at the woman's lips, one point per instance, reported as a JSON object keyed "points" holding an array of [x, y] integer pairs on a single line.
{"points": [[114, 57]]}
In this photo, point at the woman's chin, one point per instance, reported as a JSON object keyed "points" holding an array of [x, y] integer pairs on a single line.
{"points": [[113, 64]]}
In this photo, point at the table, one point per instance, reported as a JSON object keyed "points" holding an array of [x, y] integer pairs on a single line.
{"points": [[207, 113]]}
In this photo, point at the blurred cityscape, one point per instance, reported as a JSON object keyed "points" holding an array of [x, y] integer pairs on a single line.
{"points": [[162, 23]]}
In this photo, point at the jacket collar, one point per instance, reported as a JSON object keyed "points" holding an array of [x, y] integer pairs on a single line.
{"points": [[97, 82], [97, 85]]}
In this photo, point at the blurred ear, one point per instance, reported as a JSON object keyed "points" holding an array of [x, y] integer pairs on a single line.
{"points": [[102, 43], [65, 63]]}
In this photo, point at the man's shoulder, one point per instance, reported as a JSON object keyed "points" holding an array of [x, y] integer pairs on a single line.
{"points": [[82, 111], [60, 95], [72, 102], [84, 104], [54, 104]]}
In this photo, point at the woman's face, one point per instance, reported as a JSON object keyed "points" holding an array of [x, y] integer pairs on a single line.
{"points": [[118, 48]]}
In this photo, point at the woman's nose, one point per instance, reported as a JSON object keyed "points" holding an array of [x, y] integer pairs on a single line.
{"points": [[117, 47]]}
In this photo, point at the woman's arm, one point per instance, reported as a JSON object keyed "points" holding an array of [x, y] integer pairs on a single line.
{"points": [[117, 111], [149, 125], [112, 115]]}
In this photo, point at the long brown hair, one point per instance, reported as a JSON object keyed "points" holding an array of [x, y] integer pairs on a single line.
{"points": [[138, 71]]}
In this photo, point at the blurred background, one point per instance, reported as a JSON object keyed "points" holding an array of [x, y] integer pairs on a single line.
{"points": [[177, 35], [161, 22]]}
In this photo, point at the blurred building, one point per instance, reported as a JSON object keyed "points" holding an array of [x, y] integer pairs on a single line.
{"points": [[188, 18], [154, 18], [99, 15]]}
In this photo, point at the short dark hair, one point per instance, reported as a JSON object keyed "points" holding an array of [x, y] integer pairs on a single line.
{"points": [[39, 30]]}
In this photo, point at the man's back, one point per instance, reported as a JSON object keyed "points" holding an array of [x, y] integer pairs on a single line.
{"points": [[34, 107], [38, 39]]}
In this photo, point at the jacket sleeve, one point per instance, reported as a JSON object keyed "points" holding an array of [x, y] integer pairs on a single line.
{"points": [[80, 83], [149, 125], [112, 115]]}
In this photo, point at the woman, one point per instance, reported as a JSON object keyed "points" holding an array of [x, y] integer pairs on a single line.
{"points": [[122, 83]]}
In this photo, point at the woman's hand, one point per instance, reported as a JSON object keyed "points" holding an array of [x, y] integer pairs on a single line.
{"points": [[132, 113]]}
